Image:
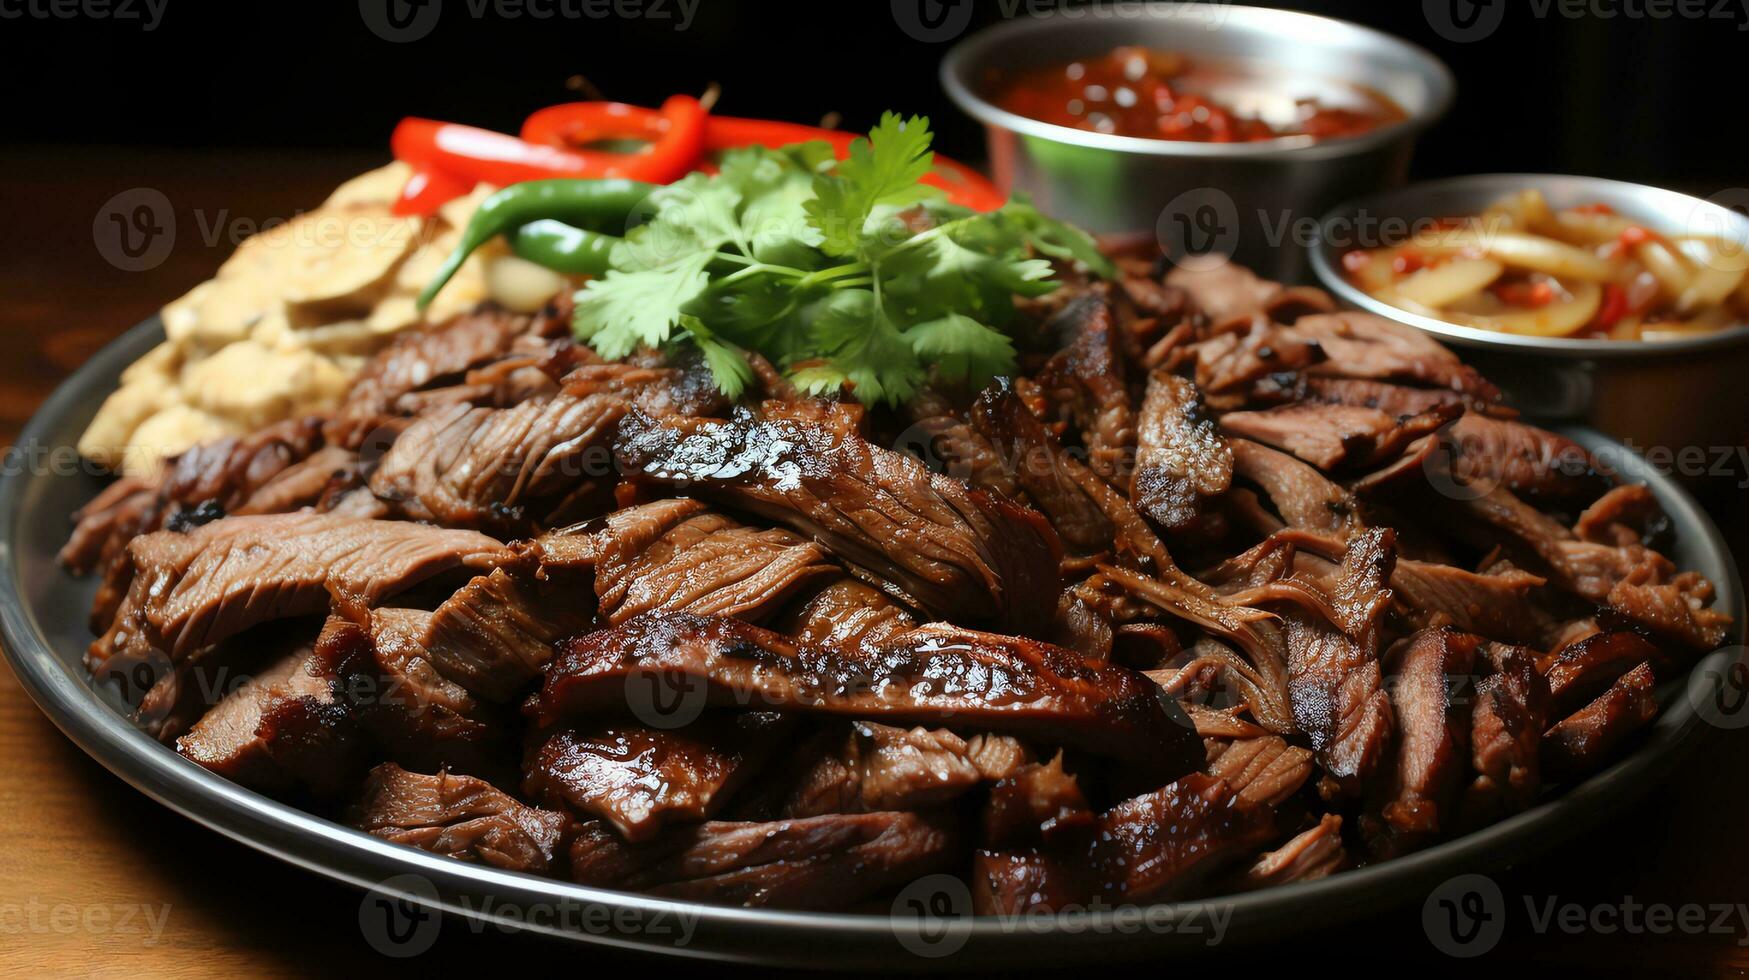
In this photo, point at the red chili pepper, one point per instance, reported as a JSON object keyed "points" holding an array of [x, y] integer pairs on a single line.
{"points": [[1526, 294], [1598, 208], [1635, 235], [429, 189], [1407, 261], [1615, 306]]}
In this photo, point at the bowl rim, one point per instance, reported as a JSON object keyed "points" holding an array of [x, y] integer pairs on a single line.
{"points": [[1442, 85], [862, 940], [1385, 202]]}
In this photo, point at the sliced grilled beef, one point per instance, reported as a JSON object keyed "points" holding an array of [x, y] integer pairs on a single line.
{"points": [[1506, 730], [1182, 461], [1300, 494], [1229, 363], [286, 727], [878, 767], [1087, 376], [494, 635], [845, 615], [681, 556], [458, 816], [933, 675], [1431, 677], [1586, 667], [1360, 345], [1054, 481], [413, 714], [824, 862], [642, 779], [1529, 461], [932, 542], [1334, 436], [1496, 605], [1334, 678], [1146, 849], [1585, 740], [197, 588], [1036, 804], [1628, 514], [1230, 290]]}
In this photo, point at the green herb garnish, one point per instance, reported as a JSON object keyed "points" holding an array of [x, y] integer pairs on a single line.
{"points": [[826, 269]]}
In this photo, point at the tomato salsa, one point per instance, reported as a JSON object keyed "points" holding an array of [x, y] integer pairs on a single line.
{"points": [[1137, 91]]}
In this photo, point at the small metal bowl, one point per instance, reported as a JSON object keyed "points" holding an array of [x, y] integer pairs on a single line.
{"points": [[1661, 396], [1109, 183]]}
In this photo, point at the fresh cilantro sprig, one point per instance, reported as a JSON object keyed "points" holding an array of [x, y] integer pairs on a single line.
{"points": [[847, 273]]}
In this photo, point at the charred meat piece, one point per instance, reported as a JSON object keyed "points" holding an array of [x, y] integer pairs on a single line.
{"points": [[1182, 461], [642, 779], [1230, 290], [1586, 667], [1628, 514], [1087, 377], [1529, 461], [1055, 482], [1036, 804], [933, 675], [1360, 345], [1229, 363], [878, 767], [458, 816], [414, 715], [681, 556], [934, 543], [1146, 849], [286, 727], [1335, 436], [1585, 740], [1334, 679], [1506, 730], [1431, 672], [1312, 854], [823, 862]]}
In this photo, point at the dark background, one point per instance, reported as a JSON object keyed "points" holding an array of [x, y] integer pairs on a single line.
{"points": [[1640, 99]]}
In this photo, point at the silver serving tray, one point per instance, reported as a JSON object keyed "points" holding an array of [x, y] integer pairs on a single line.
{"points": [[42, 625]]}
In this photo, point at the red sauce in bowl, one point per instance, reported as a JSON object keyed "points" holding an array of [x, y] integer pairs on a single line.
{"points": [[1160, 95]]}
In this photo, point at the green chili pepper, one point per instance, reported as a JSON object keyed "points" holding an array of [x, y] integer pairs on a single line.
{"points": [[562, 248], [579, 203]]}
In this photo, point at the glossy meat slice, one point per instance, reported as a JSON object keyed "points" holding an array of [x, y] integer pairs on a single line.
{"points": [[642, 779], [1149, 848], [935, 544], [197, 588], [1261, 770], [1230, 290], [934, 675], [1529, 461], [458, 816], [1584, 668], [1182, 460], [878, 767], [1361, 345], [844, 615], [1037, 803], [464, 466], [284, 727], [1585, 740], [1431, 675], [1497, 605], [414, 715], [679, 555], [824, 862], [1311, 855], [1230, 362], [495, 634], [1054, 481]]}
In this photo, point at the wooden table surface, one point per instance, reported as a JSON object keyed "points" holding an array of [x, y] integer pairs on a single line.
{"points": [[97, 879]]}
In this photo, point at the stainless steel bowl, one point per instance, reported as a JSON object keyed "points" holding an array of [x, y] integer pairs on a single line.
{"points": [[1660, 397], [1244, 200]]}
